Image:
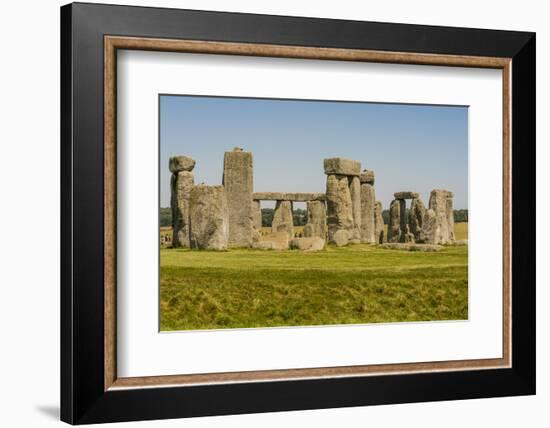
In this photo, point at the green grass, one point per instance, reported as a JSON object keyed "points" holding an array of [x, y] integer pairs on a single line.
{"points": [[350, 285]]}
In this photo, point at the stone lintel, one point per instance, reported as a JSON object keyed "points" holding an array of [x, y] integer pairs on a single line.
{"points": [[342, 166], [284, 196], [406, 195]]}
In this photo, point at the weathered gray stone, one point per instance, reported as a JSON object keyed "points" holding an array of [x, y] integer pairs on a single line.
{"points": [[378, 223], [429, 228], [339, 205], [450, 217], [406, 236], [411, 247], [355, 193], [316, 220], [440, 229], [341, 238], [282, 218], [367, 176], [368, 202], [273, 241], [313, 243], [286, 196], [406, 195], [342, 166], [416, 218], [257, 214], [394, 225], [181, 184], [403, 224], [208, 217], [238, 183], [181, 163]]}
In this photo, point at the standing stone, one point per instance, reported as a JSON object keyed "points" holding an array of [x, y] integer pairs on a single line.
{"points": [[394, 225], [339, 205], [257, 216], [378, 223], [355, 192], [438, 227], [368, 202], [316, 220], [429, 228], [403, 226], [181, 183], [208, 216], [282, 219], [238, 183], [450, 218], [416, 218]]}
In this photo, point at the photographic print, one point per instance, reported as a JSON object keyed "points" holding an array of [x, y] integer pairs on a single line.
{"points": [[282, 212]]}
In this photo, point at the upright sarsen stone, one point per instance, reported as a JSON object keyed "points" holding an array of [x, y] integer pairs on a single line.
{"points": [[257, 214], [238, 183], [339, 206], [181, 183], [316, 220], [208, 217], [438, 227], [355, 193], [378, 223], [282, 219], [416, 218], [394, 225], [368, 202]]}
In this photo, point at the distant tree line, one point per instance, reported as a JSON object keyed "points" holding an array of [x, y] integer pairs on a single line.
{"points": [[460, 216], [300, 216], [165, 217]]}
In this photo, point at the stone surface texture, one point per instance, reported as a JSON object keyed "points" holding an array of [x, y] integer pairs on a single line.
{"points": [[342, 166], [287, 196], [341, 238], [339, 205], [367, 176], [181, 163], [438, 227], [406, 195], [282, 219], [181, 184], [316, 220], [416, 218], [238, 183], [313, 243], [368, 202], [208, 217], [273, 241], [378, 223], [355, 192], [394, 225], [257, 214]]}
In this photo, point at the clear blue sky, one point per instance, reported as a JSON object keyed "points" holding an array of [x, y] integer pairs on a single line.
{"points": [[409, 147]]}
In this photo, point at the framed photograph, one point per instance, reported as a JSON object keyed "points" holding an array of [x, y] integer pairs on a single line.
{"points": [[265, 213]]}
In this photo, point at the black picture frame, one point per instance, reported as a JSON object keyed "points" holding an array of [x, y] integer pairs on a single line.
{"points": [[83, 398]]}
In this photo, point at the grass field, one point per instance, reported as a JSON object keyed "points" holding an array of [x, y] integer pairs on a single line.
{"points": [[356, 284]]}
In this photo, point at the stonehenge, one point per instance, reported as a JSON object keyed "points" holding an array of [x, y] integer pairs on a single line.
{"points": [[219, 217]]}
